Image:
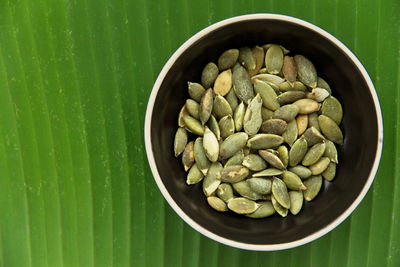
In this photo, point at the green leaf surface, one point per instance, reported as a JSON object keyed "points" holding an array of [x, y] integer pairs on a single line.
{"points": [[75, 185]]}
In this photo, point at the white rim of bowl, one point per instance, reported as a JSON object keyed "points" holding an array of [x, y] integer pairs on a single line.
{"points": [[167, 196]]}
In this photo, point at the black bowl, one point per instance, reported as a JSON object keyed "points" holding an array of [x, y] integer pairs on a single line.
{"points": [[362, 127]]}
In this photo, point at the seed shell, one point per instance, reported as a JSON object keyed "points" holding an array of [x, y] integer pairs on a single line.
{"points": [[209, 74]]}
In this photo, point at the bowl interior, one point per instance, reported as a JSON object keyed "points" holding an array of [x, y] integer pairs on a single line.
{"points": [[359, 126]]}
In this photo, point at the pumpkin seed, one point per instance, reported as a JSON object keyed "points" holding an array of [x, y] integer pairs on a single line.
{"points": [[302, 123], [221, 107], [331, 152], [232, 99], [194, 175], [246, 58], [307, 106], [258, 54], [260, 185], [290, 135], [292, 181], [296, 201], [217, 204], [274, 126], [241, 205], [252, 118], [244, 190], [283, 155], [289, 70], [313, 184], [180, 141], [210, 181], [269, 172], [232, 144], [306, 72], [297, 151], [332, 108], [297, 86], [264, 141], [274, 59], [330, 129], [313, 136], [236, 159], [286, 112], [226, 126], [279, 208], [188, 156], [206, 106], [193, 125], [200, 156], [214, 127], [228, 59], [301, 171], [211, 145], [330, 172], [223, 82], [266, 114], [320, 166], [233, 173], [318, 94], [225, 192], [254, 162], [268, 78], [313, 120], [264, 209], [238, 116], [242, 84], [272, 159], [280, 193], [290, 97], [196, 91], [267, 94], [314, 154], [284, 50], [209, 74], [182, 113], [193, 108], [321, 83]]}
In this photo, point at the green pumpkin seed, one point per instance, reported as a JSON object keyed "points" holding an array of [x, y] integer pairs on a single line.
{"points": [[330, 129], [275, 87], [221, 107], [193, 108], [200, 156], [228, 59], [194, 175], [313, 120], [252, 118], [330, 172], [320, 166], [267, 94], [280, 192], [180, 141], [274, 59], [272, 159], [292, 181], [286, 112], [283, 155], [206, 106], [264, 141], [238, 117], [307, 106], [306, 72], [260, 185], [254, 162], [246, 58], [297, 86], [313, 184], [232, 99], [301, 171], [243, 189], [193, 125], [279, 208], [290, 97], [183, 112], [214, 127], [225, 192], [265, 209], [223, 82], [274, 126], [211, 145], [321, 83], [258, 54], [298, 151], [289, 70], [232, 144], [296, 201], [268, 78], [314, 154], [241, 205], [226, 126], [332, 108], [313, 136], [284, 50], [331, 152], [209, 74], [268, 172], [318, 94], [217, 204], [302, 123], [266, 114], [196, 91], [242, 84], [290, 135], [236, 159], [188, 156], [234, 173], [210, 181]]}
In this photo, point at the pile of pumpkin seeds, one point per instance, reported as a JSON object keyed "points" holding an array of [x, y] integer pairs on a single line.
{"points": [[264, 127]]}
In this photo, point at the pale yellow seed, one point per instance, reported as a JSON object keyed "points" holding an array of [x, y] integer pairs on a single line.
{"points": [[223, 83], [302, 123]]}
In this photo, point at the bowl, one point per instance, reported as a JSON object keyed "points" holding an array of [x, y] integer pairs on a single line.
{"points": [[358, 158]]}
